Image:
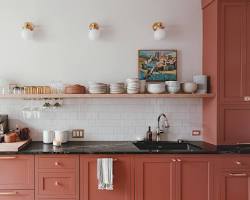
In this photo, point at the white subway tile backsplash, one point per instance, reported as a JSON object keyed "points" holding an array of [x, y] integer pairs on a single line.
{"points": [[110, 119]]}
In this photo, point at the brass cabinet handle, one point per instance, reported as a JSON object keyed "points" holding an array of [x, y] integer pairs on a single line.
{"points": [[238, 163], [179, 160], [7, 158], [8, 193], [57, 183], [57, 164], [247, 98], [238, 174], [174, 160]]}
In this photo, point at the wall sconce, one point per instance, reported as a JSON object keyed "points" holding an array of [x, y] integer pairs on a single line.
{"points": [[28, 30], [94, 31], [159, 31]]}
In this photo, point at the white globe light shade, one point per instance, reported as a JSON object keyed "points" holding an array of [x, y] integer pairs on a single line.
{"points": [[159, 34], [94, 34], [27, 34]]}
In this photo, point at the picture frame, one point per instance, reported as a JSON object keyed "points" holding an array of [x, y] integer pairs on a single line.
{"points": [[157, 65]]}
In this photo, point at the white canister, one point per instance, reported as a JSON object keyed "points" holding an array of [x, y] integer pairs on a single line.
{"points": [[201, 81], [61, 136], [48, 136]]}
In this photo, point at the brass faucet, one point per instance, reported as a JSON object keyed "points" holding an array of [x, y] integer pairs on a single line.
{"points": [[159, 131]]}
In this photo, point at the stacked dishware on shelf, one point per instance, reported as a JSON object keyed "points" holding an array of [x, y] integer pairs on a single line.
{"points": [[116, 88], [97, 88], [133, 85]]}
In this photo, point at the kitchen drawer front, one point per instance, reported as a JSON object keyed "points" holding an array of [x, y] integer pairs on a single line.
{"points": [[17, 195], [236, 162], [59, 185], [17, 172], [57, 162]]}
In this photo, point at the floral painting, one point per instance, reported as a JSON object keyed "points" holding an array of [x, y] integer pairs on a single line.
{"points": [[157, 65]]}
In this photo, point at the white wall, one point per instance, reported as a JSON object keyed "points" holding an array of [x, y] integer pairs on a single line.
{"points": [[61, 51]]}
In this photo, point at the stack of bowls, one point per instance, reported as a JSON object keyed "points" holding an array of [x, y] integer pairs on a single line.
{"points": [[133, 85], [97, 88], [156, 88], [117, 88], [173, 86]]}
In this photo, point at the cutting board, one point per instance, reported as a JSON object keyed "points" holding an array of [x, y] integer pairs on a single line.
{"points": [[13, 147]]}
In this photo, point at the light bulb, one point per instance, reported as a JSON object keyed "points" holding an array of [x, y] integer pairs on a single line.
{"points": [[94, 34], [159, 34]]}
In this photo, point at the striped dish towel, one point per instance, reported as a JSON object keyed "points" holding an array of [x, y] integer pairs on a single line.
{"points": [[105, 173]]}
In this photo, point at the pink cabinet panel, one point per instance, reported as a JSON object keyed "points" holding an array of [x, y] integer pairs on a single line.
{"points": [[17, 195], [155, 178], [17, 172], [233, 51], [247, 73], [194, 178], [57, 184], [122, 179], [57, 162], [234, 124]]}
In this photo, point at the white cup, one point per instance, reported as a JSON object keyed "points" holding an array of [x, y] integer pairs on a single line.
{"points": [[61, 136], [48, 136]]}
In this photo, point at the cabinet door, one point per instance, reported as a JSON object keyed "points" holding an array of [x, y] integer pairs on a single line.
{"points": [[248, 51], [194, 178], [122, 179], [17, 195], [233, 51], [17, 172], [234, 124], [233, 185], [155, 178]]}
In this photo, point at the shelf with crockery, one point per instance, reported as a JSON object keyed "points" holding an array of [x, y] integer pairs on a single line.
{"points": [[72, 96]]}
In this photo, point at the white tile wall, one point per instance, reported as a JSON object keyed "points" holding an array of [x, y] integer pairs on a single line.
{"points": [[111, 119]]}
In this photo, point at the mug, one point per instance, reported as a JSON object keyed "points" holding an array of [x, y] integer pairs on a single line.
{"points": [[48, 136]]}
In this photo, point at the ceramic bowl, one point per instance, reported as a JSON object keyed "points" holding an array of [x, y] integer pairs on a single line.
{"points": [[173, 90], [156, 88], [189, 87], [173, 83]]}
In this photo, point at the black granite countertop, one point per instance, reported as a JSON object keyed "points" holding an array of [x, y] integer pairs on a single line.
{"points": [[117, 147]]}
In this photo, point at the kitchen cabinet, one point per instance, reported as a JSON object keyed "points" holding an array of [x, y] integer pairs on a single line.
{"points": [[123, 179], [194, 178], [57, 177], [17, 172], [226, 59], [171, 178], [232, 178], [155, 178]]}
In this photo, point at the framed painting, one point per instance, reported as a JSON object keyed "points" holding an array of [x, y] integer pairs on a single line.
{"points": [[157, 65]]}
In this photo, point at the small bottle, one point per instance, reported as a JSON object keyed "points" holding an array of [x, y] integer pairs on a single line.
{"points": [[149, 134]]}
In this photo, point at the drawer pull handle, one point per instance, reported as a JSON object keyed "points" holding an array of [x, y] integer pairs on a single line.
{"points": [[174, 160], [57, 164], [247, 98], [238, 174], [238, 163], [7, 193], [179, 160], [57, 183], [8, 158]]}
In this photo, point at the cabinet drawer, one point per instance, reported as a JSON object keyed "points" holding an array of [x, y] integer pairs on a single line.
{"points": [[57, 162], [61, 185], [17, 195], [234, 163], [17, 172]]}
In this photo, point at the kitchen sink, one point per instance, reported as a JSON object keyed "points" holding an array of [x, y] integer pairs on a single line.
{"points": [[166, 146]]}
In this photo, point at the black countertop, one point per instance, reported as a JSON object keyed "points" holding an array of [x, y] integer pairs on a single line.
{"points": [[117, 147]]}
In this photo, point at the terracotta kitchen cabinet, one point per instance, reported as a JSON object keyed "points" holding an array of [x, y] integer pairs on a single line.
{"points": [[17, 195], [235, 124], [17, 172], [155, 178], [123, 179], [194, 178], [232, 181], [226, 59], [57, 177]]}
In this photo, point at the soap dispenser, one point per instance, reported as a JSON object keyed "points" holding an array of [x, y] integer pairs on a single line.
{"points": [[149, 134]]}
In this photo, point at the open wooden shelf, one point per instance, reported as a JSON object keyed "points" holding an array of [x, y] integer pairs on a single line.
{"points": [[72, 96]]}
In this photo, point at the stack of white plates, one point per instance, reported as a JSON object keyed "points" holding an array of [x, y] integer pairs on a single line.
{"points": [[133, 85], [117, 88], [97, 88]]}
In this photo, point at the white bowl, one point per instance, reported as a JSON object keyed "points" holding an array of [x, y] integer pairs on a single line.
{"points": [[173, 90], [189, 87], [173, 83], [156, 88]]}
